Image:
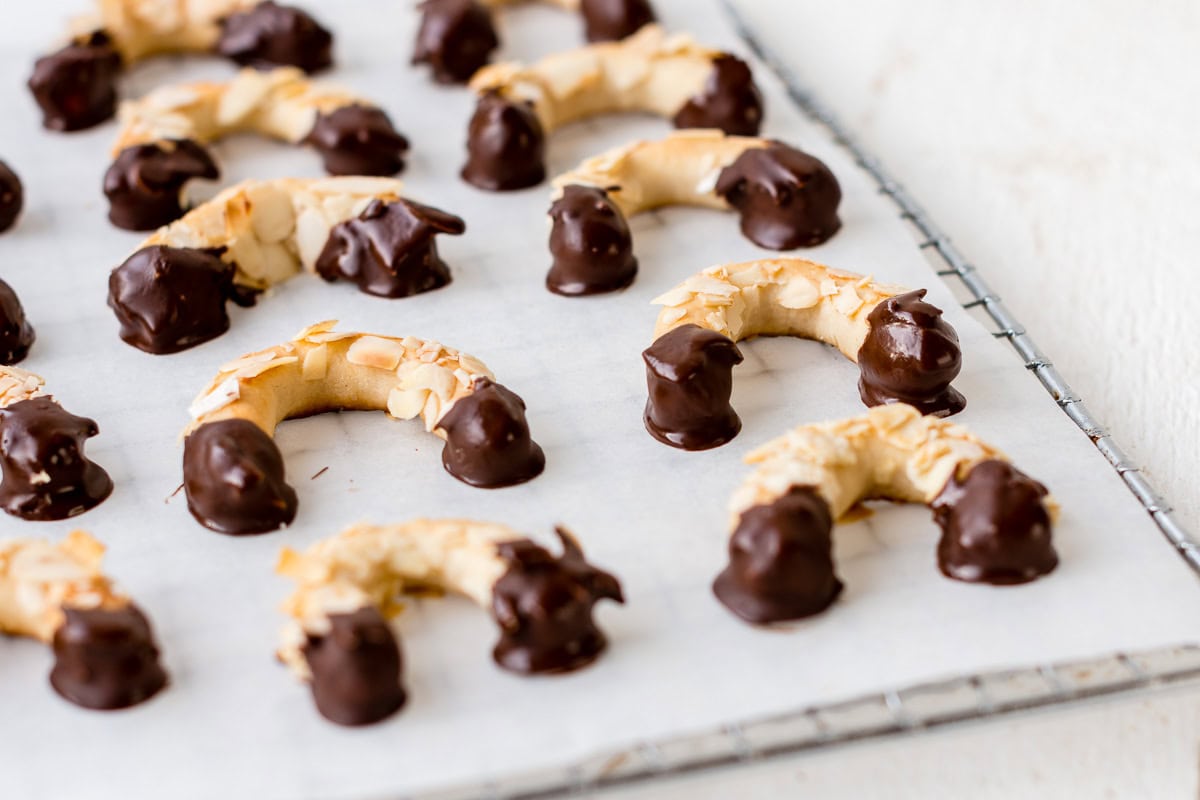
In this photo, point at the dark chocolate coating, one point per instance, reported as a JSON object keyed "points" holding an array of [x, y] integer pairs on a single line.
{"points": [[506, 146], [910, 356], [487, 439], [76, 87], [781, 560], [358, 140], [456, 38], [390, 250], [16, 334], [106, 658], [543, 605], [995, 527], [168, 299], [611, 20], [144, 184], [12, 197], [689, 380], [591, 244], [786, 198], [730, 101], [356, 668], [46, 474], [270, 35], [234, 478]]}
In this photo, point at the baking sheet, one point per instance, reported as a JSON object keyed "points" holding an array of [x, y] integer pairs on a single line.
{"points": [[234, 724]]}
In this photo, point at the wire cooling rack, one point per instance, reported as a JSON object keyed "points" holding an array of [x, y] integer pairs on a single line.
{"points": [[925, 706]]}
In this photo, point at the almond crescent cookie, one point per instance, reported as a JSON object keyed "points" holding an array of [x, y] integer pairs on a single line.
{"points": [[171, 294], [76, 85], [104, 650], [995, 520], [457, 37], [671, 76], [905, 350], [46, 474], [338, 637], [164, 136], [487, 436], [785, 198]]}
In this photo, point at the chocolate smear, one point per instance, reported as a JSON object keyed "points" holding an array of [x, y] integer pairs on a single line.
{"points": [[16, 334], [144, 184], [611, 20], [46, 475], [168, 299], [781, 560], [270, 35], [730, 101], [910, 356], [358, 140], [543, 605], [456, 38], [234, 477], [76, 87], [106, 658], [356, 668], [488, 444], [506, 146], [785, 197], [390, 250], [591, 244], [995, 526], [12, 197], [689, 380]]}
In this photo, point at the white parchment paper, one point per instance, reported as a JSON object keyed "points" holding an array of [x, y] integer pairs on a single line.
{"points": [[233, 724]]}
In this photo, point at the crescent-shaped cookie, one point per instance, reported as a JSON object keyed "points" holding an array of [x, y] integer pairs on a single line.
{"points": [[995, 520], [785, 198], [905, 350], [234, 417], [650, 72], [171, 294], [105, 656], [76, 85], [164, 136], [338, 637]]}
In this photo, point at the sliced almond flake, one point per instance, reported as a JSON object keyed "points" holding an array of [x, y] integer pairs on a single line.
{"points": [[325, 338], [225, 393], [798, 293], [847, 300], [247, 373], [316, 363], [711, 286], [828, 287], [320, 327], [667, 316], [376, 352], [678, 296], [406, 403]]}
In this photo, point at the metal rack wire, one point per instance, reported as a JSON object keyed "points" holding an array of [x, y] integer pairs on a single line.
{"points": [[925, 706]]}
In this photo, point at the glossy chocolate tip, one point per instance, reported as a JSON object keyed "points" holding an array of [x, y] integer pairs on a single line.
{"points": [[76, 87], [995, 526], [591, 244], [612, 20], [358, 140], [544, 604], [689, 380], [106, 659], [786, 198], [144, 184], [270, 35], [12, 197], [390, 249], [910, 355], [46, 474], [781, 560], [506, 146], [730, 101], [488, 443], [356, 669], [234, 478], [16, 334], [456, 38], [169, 299]]}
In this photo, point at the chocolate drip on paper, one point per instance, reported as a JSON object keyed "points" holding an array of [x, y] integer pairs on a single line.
{"points": [[781, 560], [456, 38], [506, 146], [233, 475], [730, 101], [106, 658], [543, 605], [76, 87], [358, 140], [356, 668], [612, 20], [591, 244], [689, 380], [12, 197], [488, 444], [46, 474], [270, 35], [16, 334], [145, 182], [390, 249]]}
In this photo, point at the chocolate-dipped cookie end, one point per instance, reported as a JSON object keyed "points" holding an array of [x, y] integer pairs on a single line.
{"points": [[269, 35], [76, 87], [730, 101], [358, 140], [488, 443], [506, 146], [612, 20], [456, 38], [689, 380], [144, 184], [12, 197], [356, 669], [106, 659], [590, 243], [16, 334]]}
